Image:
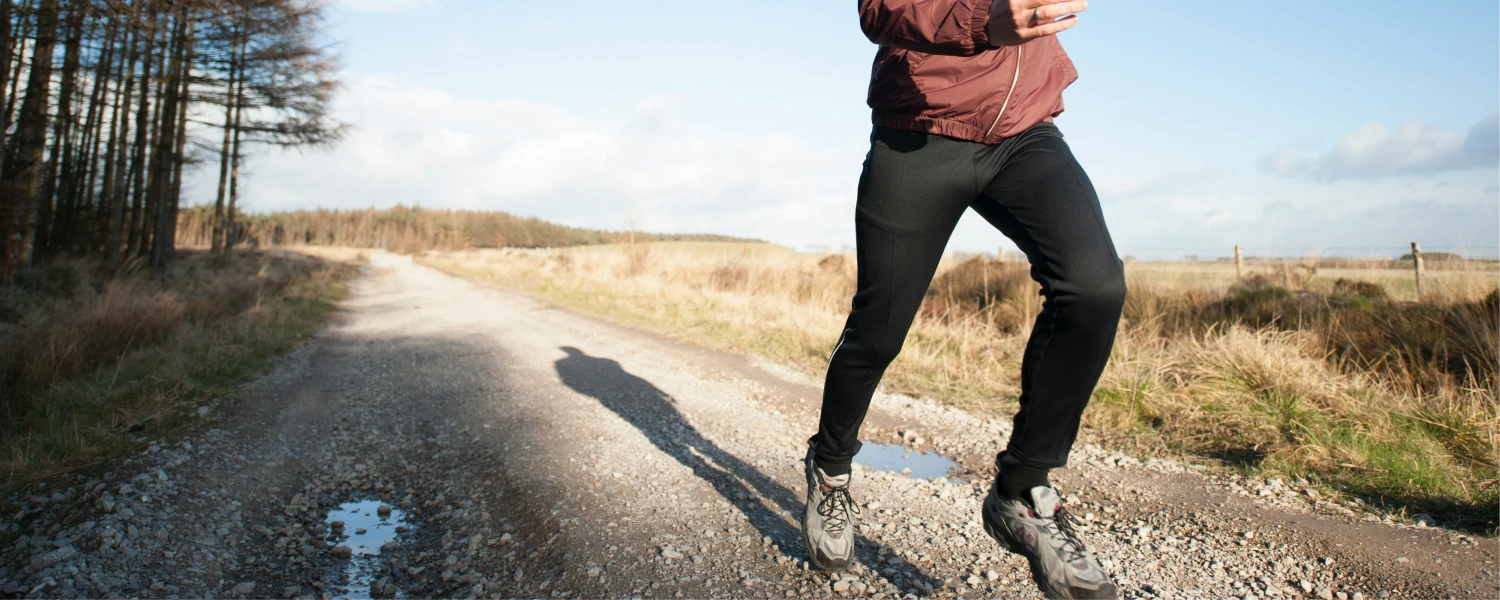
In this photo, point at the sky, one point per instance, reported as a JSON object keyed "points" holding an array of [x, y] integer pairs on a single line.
{"points": [[1327, 128]]}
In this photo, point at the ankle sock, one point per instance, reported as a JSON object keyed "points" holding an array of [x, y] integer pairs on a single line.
{"points": [[832, 470], [1015, 479]]}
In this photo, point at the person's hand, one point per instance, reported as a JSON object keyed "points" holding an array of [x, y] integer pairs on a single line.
{"points": [[1015, 22]]}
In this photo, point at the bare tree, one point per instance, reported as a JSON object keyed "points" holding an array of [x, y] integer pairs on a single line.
{"points": [[237, 31], [62, 131], [284, 80], [105, 176], [7, 11], [23, 156]]}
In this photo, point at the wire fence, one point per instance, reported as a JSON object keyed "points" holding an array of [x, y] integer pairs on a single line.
{"points": [[1217, 253], [1401, 252]]}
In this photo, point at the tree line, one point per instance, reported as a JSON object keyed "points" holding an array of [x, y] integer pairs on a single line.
{"points": [[407, 230], [105, 102]]}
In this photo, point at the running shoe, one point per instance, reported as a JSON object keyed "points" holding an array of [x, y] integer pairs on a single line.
{"points": [[828, 523], [1038, 528]]}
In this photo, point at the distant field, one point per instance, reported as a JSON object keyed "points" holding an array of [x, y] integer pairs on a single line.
{"points": [[1447, 280], [1334, 372]]}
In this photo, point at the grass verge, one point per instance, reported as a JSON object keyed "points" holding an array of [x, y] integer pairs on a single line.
{"points": [[95, 368], [1389, 401]]}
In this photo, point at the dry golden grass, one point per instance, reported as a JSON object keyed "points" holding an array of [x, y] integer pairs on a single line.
{"points": [[1291, 371], [1447, 280], [755, 297], [89, 364]]}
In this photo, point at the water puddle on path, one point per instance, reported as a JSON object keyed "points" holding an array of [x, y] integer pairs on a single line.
{"points": [[896, 458], [366, 527]]}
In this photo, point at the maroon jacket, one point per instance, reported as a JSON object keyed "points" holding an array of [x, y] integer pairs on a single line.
{"points": [[936, 72]]}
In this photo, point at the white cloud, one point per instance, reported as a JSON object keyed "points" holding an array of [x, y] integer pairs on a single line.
{"points": [[418, 145], [1208, 217], [1371, 151]]}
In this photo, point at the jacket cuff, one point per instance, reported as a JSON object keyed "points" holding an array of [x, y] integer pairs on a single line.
{"points": [[979, 33]]}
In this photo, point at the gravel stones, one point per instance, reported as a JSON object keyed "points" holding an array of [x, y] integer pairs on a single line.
{"points": [[383, 588], [244, 588], [390, 409]]}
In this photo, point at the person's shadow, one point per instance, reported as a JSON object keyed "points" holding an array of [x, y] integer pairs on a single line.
{"points": [[652, 411]]}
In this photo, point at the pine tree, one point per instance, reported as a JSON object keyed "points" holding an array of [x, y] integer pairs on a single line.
{"points": [[95, 162], [23, 153]]}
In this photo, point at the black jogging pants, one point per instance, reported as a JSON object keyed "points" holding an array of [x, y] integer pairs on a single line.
{"points": [[913, 190]]}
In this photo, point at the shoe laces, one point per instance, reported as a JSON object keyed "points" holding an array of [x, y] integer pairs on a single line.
{"points": [[1063, 524], [835, 507]]}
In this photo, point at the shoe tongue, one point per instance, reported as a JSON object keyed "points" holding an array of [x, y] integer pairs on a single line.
{"points": [[1044, 501], [833, 481]]}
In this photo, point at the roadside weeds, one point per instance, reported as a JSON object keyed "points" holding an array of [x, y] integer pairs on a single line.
{"points": [[1213, 386], [97, 368]]}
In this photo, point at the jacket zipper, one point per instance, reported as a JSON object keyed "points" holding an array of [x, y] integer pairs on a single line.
{"points": [[1015, 78]]}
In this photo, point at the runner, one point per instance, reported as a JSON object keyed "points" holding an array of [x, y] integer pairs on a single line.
{"points": [[963, 93]]}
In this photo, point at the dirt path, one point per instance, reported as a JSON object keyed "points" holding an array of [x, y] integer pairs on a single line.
{"points": [[532, 451]]}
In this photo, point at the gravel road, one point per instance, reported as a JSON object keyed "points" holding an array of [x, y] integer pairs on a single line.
{"points": [[526, 450]]}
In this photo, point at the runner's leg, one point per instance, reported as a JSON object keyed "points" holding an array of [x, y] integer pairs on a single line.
{"points": [[1043, 201], [914, 188]]}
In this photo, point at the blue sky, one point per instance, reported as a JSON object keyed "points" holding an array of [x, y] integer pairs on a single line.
{"points": [[1329, 128]]}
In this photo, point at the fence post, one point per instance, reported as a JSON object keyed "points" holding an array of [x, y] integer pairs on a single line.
{"points": [[1416, 259], [985, 269], [1239, 263], [1000, 254]]}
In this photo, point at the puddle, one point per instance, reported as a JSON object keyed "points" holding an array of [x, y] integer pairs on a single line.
{"points": [[896, 458], [353, 577]]}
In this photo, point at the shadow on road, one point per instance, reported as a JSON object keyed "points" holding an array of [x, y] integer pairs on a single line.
{"points": [[654, 413]]}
